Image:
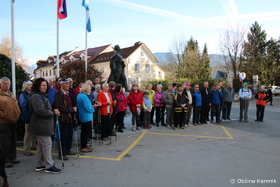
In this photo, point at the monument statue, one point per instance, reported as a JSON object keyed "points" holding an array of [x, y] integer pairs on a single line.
{"points": [[117, 68]]}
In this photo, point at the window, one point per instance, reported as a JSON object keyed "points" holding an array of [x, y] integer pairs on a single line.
{"points": [[141, 53], [147, 68], [46, 73], [43, 74], [137, 68], [159, 74], [50, 72]]}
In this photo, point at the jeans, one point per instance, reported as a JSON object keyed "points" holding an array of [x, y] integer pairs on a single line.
{"points": [[135, 119]]}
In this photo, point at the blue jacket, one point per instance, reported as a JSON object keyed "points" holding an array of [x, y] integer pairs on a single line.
{"points": [[85, 109], [51, 94], [216, 97], [197, 98]]}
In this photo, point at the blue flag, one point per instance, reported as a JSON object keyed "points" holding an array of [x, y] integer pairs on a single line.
{"points": [[86, 5]]}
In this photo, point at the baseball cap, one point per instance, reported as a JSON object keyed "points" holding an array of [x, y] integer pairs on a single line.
{"points": [[64, 80], [245, 83], [188, 84]]}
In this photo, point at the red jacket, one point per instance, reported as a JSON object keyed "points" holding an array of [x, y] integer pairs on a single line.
{"points": [[134, 99], [103, 100], [121, 101], [261, 98], [77, 91]]}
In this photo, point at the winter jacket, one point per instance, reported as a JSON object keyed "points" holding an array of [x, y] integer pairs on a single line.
{"points": [[178, 101], [134, 99], [121, 102], [66, 109], [103, 100], [158, 99], [151, 95], [206, 95], [216, 97], [9, 109], [197, 98], [168, 98], [85, 109], [261, 97], [42, 118], [23, 98], [228, 94], [113, 94]]}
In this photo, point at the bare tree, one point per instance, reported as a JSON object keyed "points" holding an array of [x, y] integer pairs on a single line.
{"points": [[231, 45]]}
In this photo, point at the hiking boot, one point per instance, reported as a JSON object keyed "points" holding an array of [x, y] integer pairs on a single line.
{"points": [[168, 126], [182, 128], [53, 170], [120, 130], [41, 168], [229, 119], [133, 129], [138, 128]]}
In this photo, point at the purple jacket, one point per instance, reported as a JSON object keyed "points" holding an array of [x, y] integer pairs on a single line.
{"points": [[158, 99]]}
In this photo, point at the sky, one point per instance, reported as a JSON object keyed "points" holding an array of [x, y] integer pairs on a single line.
{"points": [[153, 22]]}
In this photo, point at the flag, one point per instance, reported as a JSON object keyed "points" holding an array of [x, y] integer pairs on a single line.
{"points": [[240, 77], [86, 5], [61, 9]]}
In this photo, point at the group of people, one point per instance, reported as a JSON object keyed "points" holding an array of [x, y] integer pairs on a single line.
{"points": [[102, 107]]}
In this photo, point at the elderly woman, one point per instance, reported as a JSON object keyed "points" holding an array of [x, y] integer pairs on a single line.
{"points": [[135, 98], [106, 110], [29, 139], [121, 107], [85, 110], [159, 105], [151, 96], [42, 125]]}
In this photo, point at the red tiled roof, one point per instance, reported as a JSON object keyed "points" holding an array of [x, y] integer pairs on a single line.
{"points": [[94, 52], [41, 61], [125, 52]]}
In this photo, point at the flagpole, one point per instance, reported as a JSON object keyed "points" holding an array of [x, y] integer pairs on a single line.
{"points": [[86, 59], [57, 47], [13, 48]]}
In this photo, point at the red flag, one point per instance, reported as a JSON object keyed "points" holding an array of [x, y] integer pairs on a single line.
{"points": [[61, 9]]}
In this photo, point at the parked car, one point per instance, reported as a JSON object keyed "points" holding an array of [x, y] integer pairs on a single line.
{"points": [[276, 91]]}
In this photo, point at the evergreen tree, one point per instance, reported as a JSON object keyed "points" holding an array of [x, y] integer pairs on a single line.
{"points": [[6, 71]]}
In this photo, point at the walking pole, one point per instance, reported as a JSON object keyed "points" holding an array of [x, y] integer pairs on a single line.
{"points": [[58, 138], [91, 138], [76, 140]]}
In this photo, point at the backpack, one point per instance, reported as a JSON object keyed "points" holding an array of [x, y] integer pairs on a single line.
{"points": [[26, 112]]}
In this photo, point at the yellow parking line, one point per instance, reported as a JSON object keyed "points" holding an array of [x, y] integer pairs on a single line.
{"points": [[210, 130], [140, 137], [131, 146], [227, 133]]}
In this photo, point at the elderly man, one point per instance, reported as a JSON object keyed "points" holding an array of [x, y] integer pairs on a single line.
{"points": [[228, 95], [168, 98], [216, 95], [9, 114], [245, 95], [66, 104]]}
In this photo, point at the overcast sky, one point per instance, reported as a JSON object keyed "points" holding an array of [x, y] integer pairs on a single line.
{"points": [[154, 22]]}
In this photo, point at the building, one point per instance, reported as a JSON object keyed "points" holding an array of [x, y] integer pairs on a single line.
{"points": [[141, 63]]}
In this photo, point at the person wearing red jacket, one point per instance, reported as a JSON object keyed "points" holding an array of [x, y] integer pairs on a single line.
{"points": [[261, 97], [106, 110], [135, 99], [121, 107]]}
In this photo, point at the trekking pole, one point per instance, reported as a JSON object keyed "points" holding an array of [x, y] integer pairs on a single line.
{"points": [[59, 140], [91, 138]]}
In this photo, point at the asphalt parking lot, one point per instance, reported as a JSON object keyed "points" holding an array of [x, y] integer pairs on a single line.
{"points": [[229, 154]]}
